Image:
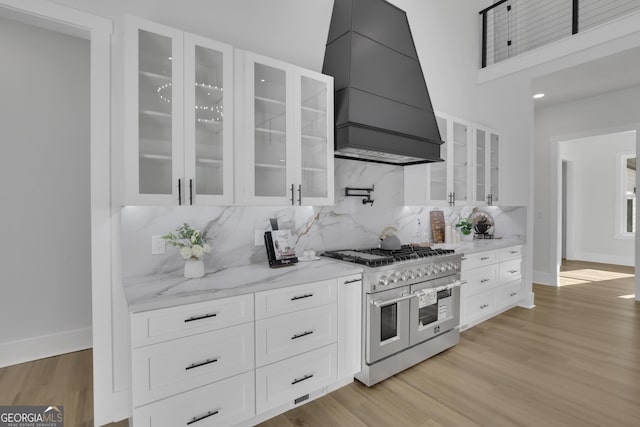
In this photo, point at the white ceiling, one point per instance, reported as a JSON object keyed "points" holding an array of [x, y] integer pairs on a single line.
{"points": [[608, 74]]}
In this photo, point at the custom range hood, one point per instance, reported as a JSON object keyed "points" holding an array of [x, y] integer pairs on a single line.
{"points": [[383, 111]]}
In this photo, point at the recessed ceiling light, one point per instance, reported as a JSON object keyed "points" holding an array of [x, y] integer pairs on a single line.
{"points": [[538, 95]]}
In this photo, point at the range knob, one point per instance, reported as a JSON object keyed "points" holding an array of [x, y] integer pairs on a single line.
{"points": [[419, 272], [383, 280], [450, 266], [411, 274], [395, 277], [443, 267]]}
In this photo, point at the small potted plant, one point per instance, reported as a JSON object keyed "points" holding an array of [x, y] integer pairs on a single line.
{"points": [[465, 227], [192, 245]]}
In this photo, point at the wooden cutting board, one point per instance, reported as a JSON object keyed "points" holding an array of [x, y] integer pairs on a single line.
{"points": [[437, 226]]}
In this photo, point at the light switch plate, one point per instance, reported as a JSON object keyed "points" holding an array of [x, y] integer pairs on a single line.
{"points": [[158, 245], [259, 237]]}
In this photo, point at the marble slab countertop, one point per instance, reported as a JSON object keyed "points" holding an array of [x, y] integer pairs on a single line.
{"points": [[483, 245], [160, 291]]}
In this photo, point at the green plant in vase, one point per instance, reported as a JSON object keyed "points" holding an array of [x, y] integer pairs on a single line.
{"points": [[465, 226]]}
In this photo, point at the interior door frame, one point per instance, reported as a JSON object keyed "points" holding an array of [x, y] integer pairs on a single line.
{"points": [[108, 406]]}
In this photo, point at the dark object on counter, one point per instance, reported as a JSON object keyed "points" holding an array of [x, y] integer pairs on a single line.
{"points": [[383, 112], [483, 224], [280, 253]]}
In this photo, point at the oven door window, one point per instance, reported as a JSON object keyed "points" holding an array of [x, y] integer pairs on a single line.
{"points": [[388, 322]]}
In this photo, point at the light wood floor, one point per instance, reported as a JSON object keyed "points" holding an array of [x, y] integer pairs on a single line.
{"points": [[574, 360], [61, 380]]}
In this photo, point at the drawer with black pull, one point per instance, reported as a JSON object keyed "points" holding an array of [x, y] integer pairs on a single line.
{"points": [[287, 335], [175, 322], [292, 380], [167, 368], [295, 298], [227, 402]]}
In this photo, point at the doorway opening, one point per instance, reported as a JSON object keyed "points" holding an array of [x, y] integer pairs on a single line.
{"points": [[592, 198]]}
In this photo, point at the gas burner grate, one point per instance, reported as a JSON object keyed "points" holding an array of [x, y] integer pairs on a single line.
{"points": [[376, 257]]}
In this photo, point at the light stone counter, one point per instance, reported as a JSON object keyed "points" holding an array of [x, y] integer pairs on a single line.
{"points": [[483, 245], [161, 291]]}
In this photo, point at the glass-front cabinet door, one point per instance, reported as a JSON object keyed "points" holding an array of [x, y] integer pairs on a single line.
{"points": [[288, 116], [208, 95], [314, 129], [460, 164], [269, 122], [437, 188], [448, 182], [487, 166], [153, 113], [178, 117]]}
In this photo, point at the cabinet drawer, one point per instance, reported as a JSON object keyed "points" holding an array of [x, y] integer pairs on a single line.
{"points": [[176, 366], [479, 279], [509, 253], [295, 298], [293, 378], [224, 403], [290, 334], [478, 259], [510, 294], [510, 270], [479, 305], [160, 325]]}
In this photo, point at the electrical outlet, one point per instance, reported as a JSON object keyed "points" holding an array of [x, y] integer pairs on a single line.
{"points": [[158, 245], [259, 237]]}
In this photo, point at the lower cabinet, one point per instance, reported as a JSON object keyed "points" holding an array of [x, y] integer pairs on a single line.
{"points": [[293, 379], [494, 284], [222, 403], [209, 365]]}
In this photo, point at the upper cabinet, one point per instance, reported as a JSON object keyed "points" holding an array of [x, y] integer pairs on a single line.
{"points": [[445, 183], [180, 124], [470, 173], [287, 134], [178, 117], [487, 166]]}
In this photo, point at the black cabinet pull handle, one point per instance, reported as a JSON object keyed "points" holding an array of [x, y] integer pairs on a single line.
{"points": [[301, 297], [191, 191], [299, 380], [202, 417], [352, 281], [484, 280], [179, 191], [198, 364], [304, 334], [204, 316], [292, 203], [299, 194]]}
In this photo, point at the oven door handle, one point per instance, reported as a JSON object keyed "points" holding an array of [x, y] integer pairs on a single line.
{"points": [[393, 301]]}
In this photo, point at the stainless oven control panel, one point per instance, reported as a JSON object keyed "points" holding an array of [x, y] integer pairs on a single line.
{"points": [[400, 275]]}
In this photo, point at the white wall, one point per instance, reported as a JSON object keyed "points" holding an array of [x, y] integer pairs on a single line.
{"points": [[592, 198], [612, 112], [45, 257]]}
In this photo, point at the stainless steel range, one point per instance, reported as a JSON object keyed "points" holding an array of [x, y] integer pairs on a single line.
{"points": [[411, 306]]}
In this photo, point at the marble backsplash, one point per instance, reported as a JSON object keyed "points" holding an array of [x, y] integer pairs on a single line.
{"points": [[347, 224]]}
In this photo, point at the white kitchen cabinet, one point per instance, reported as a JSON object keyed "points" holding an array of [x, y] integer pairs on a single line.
{"points": [[194, 363], [243, 359], [178, 117], [445, 183], [494, 284], [287, 133], [487, 166]]}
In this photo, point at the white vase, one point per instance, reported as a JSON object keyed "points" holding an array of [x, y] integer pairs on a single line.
{"points": [[193, 268], [467, 237]]}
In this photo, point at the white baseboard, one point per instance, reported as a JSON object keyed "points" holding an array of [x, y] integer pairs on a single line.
{"points": [[26, 350], [544, 278], [528, 301], [628, 260]]}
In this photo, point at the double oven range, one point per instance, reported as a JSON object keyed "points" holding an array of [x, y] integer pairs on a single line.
{"points": [[411, 306]]}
